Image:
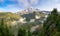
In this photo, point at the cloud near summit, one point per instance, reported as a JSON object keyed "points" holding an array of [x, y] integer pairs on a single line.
{"points": [[22, 4], [28, 3]]}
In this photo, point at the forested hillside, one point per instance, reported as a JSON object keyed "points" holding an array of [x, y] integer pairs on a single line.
{"points": [[9, 15], [50, 26]]}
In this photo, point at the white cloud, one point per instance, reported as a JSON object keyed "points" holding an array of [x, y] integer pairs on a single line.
{"points": [[1, 1], [10, 8], [34, 1], [23, 2], [55, 0], [49, 5], [12, 0], [28, 3], [2, 10]]}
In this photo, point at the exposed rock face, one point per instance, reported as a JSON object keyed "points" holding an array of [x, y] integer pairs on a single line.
{"points": [[28, 11], [31, 14]]}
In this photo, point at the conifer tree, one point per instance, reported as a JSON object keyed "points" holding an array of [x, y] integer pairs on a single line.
{"points": [[50, 23], [21, 32], [29, 33], [4, 30]]}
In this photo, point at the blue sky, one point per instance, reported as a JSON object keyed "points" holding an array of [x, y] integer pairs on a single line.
{"points": [[17, 5]]}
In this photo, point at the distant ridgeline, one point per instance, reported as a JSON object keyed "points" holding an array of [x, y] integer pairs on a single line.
{"points": [[29, 17]]}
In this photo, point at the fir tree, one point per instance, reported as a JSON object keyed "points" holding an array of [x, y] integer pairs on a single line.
{"points": [[50, 24], [21, 32]]}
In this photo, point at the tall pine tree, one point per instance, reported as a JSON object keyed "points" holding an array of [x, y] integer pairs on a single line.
{"points": [[50, 23], [21, 32]]}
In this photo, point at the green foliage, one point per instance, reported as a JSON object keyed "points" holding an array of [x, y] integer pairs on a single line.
{"points": [[51, 26], [29, 33], [58, 23], [9, 15], [40, 33], [4, 30], [52, 23], [21, 32], [57, 34]]}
